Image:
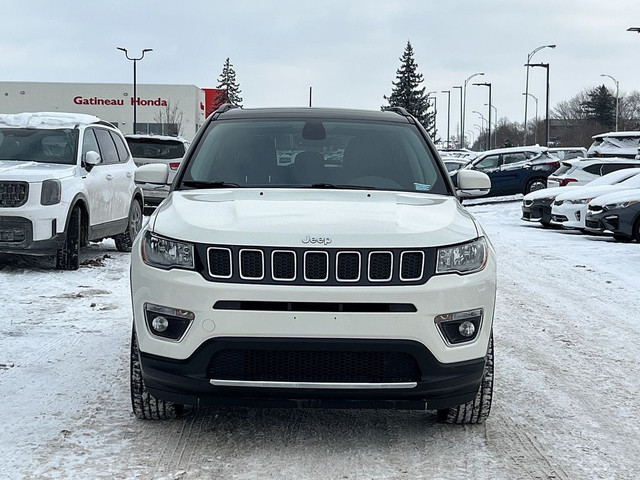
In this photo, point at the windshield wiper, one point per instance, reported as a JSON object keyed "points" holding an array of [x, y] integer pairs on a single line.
{"points": [[201, 184], [349, 187]]}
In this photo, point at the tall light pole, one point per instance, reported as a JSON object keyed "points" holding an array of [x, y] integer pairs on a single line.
{"points": [[473, 138], [448, 92], [135, 93], [461, 141], [526, 88], [495, 123], [485, 84], [464, 100], [544, 65], [617, 96], [535, 131]]}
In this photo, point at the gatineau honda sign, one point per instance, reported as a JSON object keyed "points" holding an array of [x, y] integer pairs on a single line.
{"points": [[157, 105], [141, 102]]}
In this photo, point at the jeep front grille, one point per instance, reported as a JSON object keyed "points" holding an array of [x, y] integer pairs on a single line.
{"points": [[13, 194], [272, 265]]}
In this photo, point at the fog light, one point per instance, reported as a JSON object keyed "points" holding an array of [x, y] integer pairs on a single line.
{"points": [[467, 329], [167, 322], [459, 327], [160, 324]]}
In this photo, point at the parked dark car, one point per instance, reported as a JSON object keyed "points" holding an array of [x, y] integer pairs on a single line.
{"points": [[515, 170], [616, 214]]}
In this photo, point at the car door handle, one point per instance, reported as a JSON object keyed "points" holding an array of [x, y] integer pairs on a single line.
{"points": [[109, 176]]}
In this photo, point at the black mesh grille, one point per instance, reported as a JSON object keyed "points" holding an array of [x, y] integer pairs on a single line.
{"points": [[251, 264], [284, 265], [348, 266], [316, 266], [380, 264], [313, 366], [13, 194], [412, 265], [220, 262]]}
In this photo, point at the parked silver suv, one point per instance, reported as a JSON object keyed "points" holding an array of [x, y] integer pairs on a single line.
{"points": [[157, 149]]}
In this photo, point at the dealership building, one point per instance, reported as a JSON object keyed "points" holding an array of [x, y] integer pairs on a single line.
{"points": [[159, 109]]}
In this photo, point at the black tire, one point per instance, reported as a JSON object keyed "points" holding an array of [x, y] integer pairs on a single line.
{"points": [[146, 406], [535, 184], [124, 241], [635, 233], [622, 238], [478, 409], [68, 256]]}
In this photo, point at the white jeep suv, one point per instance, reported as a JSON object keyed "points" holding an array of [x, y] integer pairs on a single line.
{"points": [[313, 257], [65, 179]]}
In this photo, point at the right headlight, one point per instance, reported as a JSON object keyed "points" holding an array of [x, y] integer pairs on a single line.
{"points": [[465, 258], [615, 206], [166, 253]]}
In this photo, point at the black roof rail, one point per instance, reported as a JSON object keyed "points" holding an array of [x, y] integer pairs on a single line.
{"points": [[225, 107], [399, 110]]}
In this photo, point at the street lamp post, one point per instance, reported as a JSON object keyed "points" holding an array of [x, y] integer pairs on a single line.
{"points": [[526, 88], [489, 134], [464, 100], [448, 92], [617, 95], [535, 131], [135, 93], [495, 123], [544, 65], [473, 138], [461, 141]]}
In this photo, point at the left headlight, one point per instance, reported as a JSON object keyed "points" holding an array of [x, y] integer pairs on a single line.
{"points": [[51, 192], [615, 206], [579, 201], [166, 253], [465, 258]]}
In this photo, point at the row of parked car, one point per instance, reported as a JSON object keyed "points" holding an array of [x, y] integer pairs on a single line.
{"points": [[68, 179]]}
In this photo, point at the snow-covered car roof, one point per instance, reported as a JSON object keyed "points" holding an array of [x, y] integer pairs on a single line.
{"points": [[634, 133], [46, 120], [615, 143], [529, 148]]}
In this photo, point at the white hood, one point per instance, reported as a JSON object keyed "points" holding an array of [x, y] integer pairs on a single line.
{"points": [[617, 197], [550, 192], [286, 217], [34, 171]]}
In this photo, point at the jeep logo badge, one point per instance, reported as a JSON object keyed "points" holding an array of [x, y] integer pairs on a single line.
{"points": [[318, 240]]}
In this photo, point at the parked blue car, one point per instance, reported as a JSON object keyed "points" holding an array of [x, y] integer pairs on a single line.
{"points": [[516, 169]]}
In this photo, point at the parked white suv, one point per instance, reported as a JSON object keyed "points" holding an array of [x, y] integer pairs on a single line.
{"points": [[65, 179], [157, 149], [313, 257]]}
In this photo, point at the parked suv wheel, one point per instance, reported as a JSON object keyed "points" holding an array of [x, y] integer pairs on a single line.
{"points": [[146, 406], [477, 410], [125, 240], [535, 184], [67, 257]]}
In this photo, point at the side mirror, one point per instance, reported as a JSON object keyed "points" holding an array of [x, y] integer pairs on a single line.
{"points": [[91, 159], [155, 173], [472, 183]]}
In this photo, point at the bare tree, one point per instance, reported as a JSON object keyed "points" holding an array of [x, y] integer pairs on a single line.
{"points": [[170, 117]]}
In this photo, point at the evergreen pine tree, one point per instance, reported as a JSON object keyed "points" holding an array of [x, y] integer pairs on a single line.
{"points": [[407, 93], [600, 106], [227, 83]]}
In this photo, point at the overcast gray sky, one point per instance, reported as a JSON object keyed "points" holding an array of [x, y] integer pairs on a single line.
{"points": [[347, 50]]}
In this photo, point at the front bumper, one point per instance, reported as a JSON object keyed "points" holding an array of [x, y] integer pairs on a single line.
{"points": [[536, 213], [421, 382], [569, 215], [17, 236]]}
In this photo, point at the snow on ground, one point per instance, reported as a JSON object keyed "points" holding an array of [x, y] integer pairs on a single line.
{"points": [[565, 406]]}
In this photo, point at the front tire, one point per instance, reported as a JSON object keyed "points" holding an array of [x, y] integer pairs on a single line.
{"points": [[477, 410], [636, 230], [124, 241], [68, 256], [146, 406]]}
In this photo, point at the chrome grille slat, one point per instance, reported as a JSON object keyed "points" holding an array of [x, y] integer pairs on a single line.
{"points": [[317, 266]]}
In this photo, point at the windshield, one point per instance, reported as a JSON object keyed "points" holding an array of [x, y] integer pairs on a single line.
{"points": [[155, 148], [314, 153], [39, 145]]}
